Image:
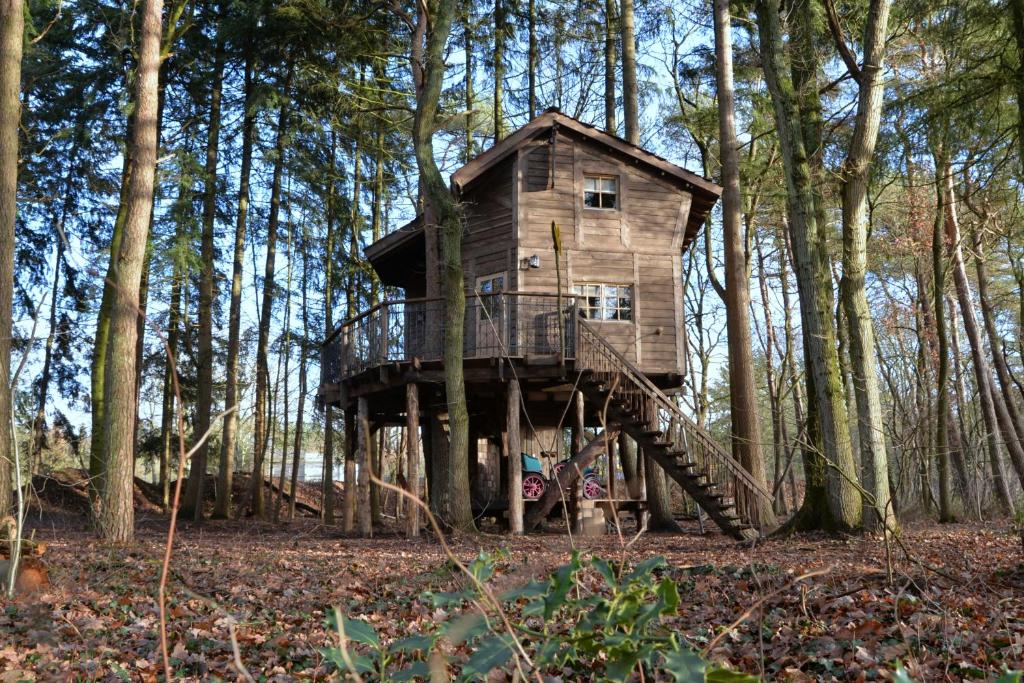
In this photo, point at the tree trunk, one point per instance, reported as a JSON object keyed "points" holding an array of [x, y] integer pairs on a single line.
{"points": [[942, 377], [843, 508], [855, 175], [500, 31], [533, 57], [12, 29], [995, 341], [746, 428], [266, 311], [630, 95], [222, 506], [412, 444], [628, 460], [348, 522], [364, 436], [116, 518], [1017, 13], [300, 409], [467, 33], [440, 213], [996, 418], [286, 349], [204, 361], [327, 477], [611, 62]]}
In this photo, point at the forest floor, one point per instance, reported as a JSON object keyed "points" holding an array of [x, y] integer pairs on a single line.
{"points": [[953, 611]]}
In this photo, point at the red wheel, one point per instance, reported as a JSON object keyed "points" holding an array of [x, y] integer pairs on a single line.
{"points": [[557, 469], [533, 486], [591, 488]]}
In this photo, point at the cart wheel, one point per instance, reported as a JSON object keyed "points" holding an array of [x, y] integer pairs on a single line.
{"points": [[557, 469], [533, 486], [591, 488]]}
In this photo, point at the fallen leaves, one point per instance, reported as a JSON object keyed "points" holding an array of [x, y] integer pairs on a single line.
{"points": [[99, 619]]}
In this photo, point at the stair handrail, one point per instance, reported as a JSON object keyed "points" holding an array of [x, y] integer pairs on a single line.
{"points": [[649, 388]]}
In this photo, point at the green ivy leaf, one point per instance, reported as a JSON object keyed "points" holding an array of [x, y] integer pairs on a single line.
{"points": [[685, 665], [1010, 677], [416, 670], [356, 630], [412, 644], [900, 675], [561, 583], [668, 591], [530, 590], [604, 568], [490, 654], [619, 667], [644, 569]]}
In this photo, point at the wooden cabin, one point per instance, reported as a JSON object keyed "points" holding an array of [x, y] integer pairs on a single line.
{"points": [[598, 321]]}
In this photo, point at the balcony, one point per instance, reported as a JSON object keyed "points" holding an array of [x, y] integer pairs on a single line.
{"points": [[500, 325]]}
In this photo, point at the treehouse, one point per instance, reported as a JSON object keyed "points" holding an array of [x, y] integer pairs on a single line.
{"points": [[580, 336]]}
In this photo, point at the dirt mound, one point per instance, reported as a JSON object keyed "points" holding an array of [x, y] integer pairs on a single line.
{"points": [[67, 491]]}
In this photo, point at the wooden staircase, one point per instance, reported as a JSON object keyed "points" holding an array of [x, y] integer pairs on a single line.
{"points": [[687, 453]]}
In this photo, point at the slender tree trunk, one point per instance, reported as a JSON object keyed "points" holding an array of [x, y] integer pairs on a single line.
{"points": [[994, 412], [12, 30], [855, 176], [222, 507], [533, 56], [467, 33], [98, 436], [266, 311], [1017, 14], [300, 409], [746, 428], [441, 214], [995, 341], [500, 31], [611, 62], [327, 478], [204, 361], [942, 378], [630, 94], [843, 510], [116, 518], [286, 349], [43, 387]]}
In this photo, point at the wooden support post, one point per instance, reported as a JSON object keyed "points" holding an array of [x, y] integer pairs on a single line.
{"points": [[612, 443], [575, 448], [412, 446], [515, 464], [363, 464], [348, 524]]}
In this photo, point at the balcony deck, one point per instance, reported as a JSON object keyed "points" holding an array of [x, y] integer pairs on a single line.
{"points": [[500, 331]]}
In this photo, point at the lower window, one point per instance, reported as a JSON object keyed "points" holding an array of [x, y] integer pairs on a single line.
{"points": [[599, 301]]}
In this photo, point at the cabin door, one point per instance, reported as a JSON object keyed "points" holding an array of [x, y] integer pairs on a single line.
{"points": [[490, 306]]}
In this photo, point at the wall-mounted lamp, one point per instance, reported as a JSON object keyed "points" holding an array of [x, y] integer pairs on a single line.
{"points": [[529, 262]]}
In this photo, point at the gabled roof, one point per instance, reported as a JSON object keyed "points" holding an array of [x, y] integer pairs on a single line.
{"points": [[465, 176]]}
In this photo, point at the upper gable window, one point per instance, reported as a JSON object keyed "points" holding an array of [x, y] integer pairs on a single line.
{"points": [[600, 192]]}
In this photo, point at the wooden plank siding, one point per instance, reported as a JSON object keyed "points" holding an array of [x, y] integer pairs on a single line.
{"points": [[638, 243]]}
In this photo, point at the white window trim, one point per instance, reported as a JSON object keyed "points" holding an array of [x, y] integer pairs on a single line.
{"points": [[632, 300], [618, 191]]}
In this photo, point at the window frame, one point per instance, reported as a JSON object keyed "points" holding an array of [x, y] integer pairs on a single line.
{"points": [[487, 307], [579, 290], [601, 194]]}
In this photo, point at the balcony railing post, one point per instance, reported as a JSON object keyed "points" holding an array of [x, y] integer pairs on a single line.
{"points": [[384, 328]]}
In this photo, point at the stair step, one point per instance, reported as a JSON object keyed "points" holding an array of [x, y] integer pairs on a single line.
{"points": [[652, 433], [662, 444]]}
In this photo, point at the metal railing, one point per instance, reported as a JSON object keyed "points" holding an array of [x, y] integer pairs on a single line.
{"points": [[594, 353], [513, 324]]}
